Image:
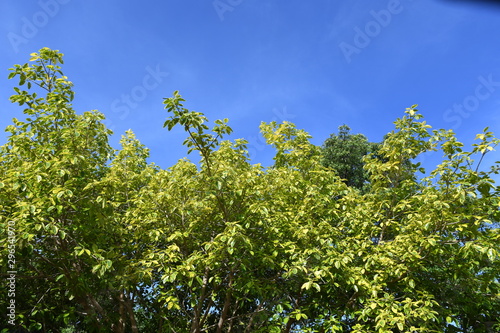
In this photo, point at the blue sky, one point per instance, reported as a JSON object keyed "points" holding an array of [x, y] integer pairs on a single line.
{"points": [[319, 64]]}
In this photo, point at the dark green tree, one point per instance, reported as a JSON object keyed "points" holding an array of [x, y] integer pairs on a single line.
{"points": [[344, 152]]}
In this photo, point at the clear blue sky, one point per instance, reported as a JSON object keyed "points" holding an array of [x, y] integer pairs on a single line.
{"points": [[319, 64]]}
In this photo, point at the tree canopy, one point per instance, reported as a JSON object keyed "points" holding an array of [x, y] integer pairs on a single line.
{"points": [[105, 241], [344, 153]]}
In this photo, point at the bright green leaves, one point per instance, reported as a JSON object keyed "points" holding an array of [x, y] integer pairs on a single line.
{"points": [[46, 55], [45, 73], [102, 267], [233, 245], [310, 284], [293, 148], [393, 165], [48, 166], [174, 105], [221, 127], [194, 123], [488, 142]]}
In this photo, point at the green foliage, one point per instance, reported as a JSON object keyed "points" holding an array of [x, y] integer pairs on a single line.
{"points": [[108, 242], [344, 153]]}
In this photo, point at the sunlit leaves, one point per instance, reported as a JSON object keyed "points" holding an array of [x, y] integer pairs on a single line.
{"points": [[108, 238]]}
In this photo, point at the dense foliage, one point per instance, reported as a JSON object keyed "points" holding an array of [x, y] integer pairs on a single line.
{"points": [[344, 153], [107, 242]]}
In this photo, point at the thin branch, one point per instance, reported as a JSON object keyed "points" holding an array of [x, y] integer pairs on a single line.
{"points": [[39, 301]]}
